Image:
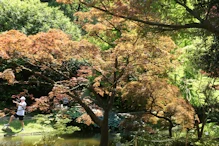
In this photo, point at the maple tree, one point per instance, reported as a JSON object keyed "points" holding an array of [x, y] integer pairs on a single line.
{"points": [[44, 55], [161, 100], [106, 76], [146, 62], [32, 59], [193, 14], [158, 15], [130, 58]]}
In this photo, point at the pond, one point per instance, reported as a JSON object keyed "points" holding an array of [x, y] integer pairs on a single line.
{"points": [[38, 140]]}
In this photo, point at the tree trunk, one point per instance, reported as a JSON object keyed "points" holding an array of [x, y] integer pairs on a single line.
{"points": [[200, 132], [170, 129], [104, 140]]}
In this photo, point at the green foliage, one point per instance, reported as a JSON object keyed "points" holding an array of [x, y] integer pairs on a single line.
{"points": [[32, 16], [206, 57], [211, 130], [47, 139], [171, 10], [58, 122], [210, 135], [189, 78], [74, 112], [30, 126], [68, 9], [156, 140], [99, 43], [182, 138], [72, 66], [61, 126]]}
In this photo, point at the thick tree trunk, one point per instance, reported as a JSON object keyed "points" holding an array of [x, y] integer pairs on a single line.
{"points": [[104, 140]]}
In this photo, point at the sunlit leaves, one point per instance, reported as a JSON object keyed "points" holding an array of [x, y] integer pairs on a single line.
{"points": [[32, 16], [65, 1], [54, 46], [8, 75]]}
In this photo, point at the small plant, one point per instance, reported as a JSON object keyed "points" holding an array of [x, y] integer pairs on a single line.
{"points": [[59, 124]]}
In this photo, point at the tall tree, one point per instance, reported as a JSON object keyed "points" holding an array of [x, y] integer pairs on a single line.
{"points": [[132, 59], [128, 58]]}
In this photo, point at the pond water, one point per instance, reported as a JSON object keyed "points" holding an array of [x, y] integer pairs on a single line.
{"points": [[47, 141]]}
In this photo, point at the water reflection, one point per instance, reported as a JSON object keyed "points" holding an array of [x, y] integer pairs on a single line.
{"points": [[34, 140]]}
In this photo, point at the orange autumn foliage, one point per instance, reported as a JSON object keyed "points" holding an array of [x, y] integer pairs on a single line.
{"points": [[144, 58], [136, 64], [162, 99], [8, 75], [53, 46]]}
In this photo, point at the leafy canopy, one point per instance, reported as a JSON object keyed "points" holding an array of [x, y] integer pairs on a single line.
{"points": [[167, 15], [32, 16]]}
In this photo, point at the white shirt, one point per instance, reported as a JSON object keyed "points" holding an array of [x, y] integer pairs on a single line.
{"points": [[21, 108]]}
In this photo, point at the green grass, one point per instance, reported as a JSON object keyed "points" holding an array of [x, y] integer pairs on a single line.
{"points": [[31, 126]]}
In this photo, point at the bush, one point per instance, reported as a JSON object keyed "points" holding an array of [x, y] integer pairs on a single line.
{"points": [[58, 121], [32, 16], [68, 9]]}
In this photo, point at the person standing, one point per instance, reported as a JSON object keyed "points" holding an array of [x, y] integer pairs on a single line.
{"points": [[20, 112]]}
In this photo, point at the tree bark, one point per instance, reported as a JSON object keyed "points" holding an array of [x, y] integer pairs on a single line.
{"points": [[104, 140], [86, 108], [170, 129], [200, 131], [203, 121]]}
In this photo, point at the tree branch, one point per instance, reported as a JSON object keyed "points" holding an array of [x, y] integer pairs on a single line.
{"points": [[192, 12], [203, 24], [38, 74], [26, 83], [86, 108], [98, 97], [161, 117], [115, 79], [104, 40]]}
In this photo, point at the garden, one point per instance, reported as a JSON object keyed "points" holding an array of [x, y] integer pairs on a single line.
{"points": [[109, 73]]}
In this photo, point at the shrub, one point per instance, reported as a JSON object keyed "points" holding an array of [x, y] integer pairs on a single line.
{"points": [[68, 9], [32, 16]]}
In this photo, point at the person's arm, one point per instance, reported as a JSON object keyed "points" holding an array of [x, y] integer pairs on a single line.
{"points": [[17, 103]]}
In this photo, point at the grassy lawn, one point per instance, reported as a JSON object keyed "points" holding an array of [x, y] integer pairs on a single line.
{"points": [[31, 126], [39, 135]]}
